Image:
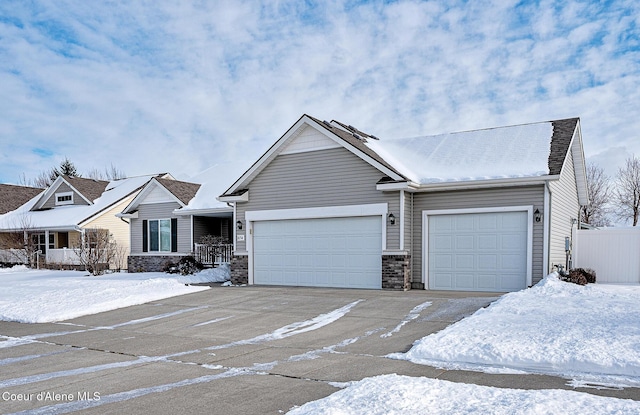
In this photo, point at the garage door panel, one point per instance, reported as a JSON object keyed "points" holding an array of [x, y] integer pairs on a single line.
{"points": [[465, 242], [331, 252], [488, 253]]}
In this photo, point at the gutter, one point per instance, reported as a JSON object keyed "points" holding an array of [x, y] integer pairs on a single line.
{"points": [[462, 185]]}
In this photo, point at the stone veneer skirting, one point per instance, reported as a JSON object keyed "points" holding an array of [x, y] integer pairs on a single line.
{"points": [[150, 263], [239, 269], [396, 272]]}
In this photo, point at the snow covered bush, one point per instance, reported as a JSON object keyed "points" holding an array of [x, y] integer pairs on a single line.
{"points": [[578, 276], [188, 265]]}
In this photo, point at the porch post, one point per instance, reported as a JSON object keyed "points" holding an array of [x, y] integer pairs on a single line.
{"points": [[46, 246]]}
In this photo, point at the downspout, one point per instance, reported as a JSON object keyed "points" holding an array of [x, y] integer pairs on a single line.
{"points": [[411, 217], [546, 257], [402, 214]]}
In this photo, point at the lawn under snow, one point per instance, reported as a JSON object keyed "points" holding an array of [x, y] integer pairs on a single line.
{"points": [[39, 296], [590, 334]]}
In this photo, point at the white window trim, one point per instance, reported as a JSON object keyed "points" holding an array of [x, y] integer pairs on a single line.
{"points": [[425, 234], [65, 202], [375, 209], [159, 251]]}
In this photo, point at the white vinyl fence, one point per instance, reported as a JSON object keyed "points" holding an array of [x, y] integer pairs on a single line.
{"points": [[614, 253]]}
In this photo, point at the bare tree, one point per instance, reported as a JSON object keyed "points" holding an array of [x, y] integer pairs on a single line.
{"points": [[21, 245], [97, 250], [109, 173], [627, 192], [596, 212]]}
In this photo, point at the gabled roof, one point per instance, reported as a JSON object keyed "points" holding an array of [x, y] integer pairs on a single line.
{"points": [[88, 189], [183, 191], [518, 154], [71, 216], [178, 191], [350, 140], [12, 197]]}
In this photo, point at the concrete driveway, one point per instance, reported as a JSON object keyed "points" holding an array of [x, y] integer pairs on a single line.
{"points": [[233, 350]]}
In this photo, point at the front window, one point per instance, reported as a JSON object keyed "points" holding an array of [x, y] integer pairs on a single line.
{"points": [[160, 235]]}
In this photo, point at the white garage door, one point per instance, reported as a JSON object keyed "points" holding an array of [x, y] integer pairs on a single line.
{"points": [[478, 251], [331, 252]]}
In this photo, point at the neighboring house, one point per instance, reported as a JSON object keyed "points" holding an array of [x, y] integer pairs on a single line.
{"points": [[330, 206], [169, 218], [12, 197], [56, 220]]}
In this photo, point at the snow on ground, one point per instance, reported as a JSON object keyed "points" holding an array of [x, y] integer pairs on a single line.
{"points": [[590, 334], [39, 296], [393, 394], [218, 274]]}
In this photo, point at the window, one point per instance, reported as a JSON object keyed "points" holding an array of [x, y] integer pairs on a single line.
{"points": [[159, 235], [64, 198]]}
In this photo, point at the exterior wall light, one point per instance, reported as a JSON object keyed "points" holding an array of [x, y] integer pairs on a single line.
{"points": [[392, 219], [537, 216], [239, 225]]}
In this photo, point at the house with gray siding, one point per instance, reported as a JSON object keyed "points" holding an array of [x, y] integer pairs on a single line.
{"points": [[329, 205], [167, 224]]}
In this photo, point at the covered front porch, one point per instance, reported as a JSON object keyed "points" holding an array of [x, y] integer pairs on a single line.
{"points": [[212, 235]]}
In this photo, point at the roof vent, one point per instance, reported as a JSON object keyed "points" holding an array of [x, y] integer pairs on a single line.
{"points": [[374, 137], [327, 123]]}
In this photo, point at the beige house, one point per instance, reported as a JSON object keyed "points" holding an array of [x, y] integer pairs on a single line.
{"points": [[54, 222]]}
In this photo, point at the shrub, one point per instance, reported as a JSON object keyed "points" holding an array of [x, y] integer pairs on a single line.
{"points": [[169, 267], [578, 276], [189, 265]]}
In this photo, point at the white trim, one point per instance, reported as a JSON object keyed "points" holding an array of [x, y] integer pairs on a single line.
{"points": [[401, 220], [233, 224], [65, 202], [293, 132], [375, 209], [546, 219], [236, 198], [425, 234]]}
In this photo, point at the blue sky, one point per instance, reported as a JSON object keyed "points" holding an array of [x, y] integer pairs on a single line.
{"points": [[155, 86]]}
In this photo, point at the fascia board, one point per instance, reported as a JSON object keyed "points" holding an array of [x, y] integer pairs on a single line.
{"points": [[148, 188], [409, 186], [133, 215], [481, 184], [356, 151], [196, 212], [258, 165], [278, 145], [48, 192], [76, 190], [230, 199]]}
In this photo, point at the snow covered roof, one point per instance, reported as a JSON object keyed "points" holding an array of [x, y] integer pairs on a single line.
{"points": [[494, 153], [214, 181], [70, 216]]}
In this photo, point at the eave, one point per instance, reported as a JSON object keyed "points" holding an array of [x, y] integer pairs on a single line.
{"points": [[464, 185]]}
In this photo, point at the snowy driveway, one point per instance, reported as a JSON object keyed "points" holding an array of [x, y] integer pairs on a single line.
{"points": [[234, 350], [224, 350]]}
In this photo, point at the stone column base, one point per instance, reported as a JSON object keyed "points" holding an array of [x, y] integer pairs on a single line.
{"points": [[239, 269], [396, 272]]}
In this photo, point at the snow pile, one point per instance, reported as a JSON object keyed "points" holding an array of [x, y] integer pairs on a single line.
{"points": [[219, 274], [588, 332], [40, 296], [393, 394]]}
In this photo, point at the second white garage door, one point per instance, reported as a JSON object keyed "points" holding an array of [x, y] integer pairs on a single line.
{"points": [[478, 251], [327, 252]]}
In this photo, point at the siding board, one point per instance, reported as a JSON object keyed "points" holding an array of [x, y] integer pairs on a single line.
{"points": [[332, 177], [161, 211], [482, 198], [564, 207]]}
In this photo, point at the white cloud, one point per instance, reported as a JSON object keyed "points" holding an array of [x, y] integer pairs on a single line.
{"points": [[165, 86]]}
